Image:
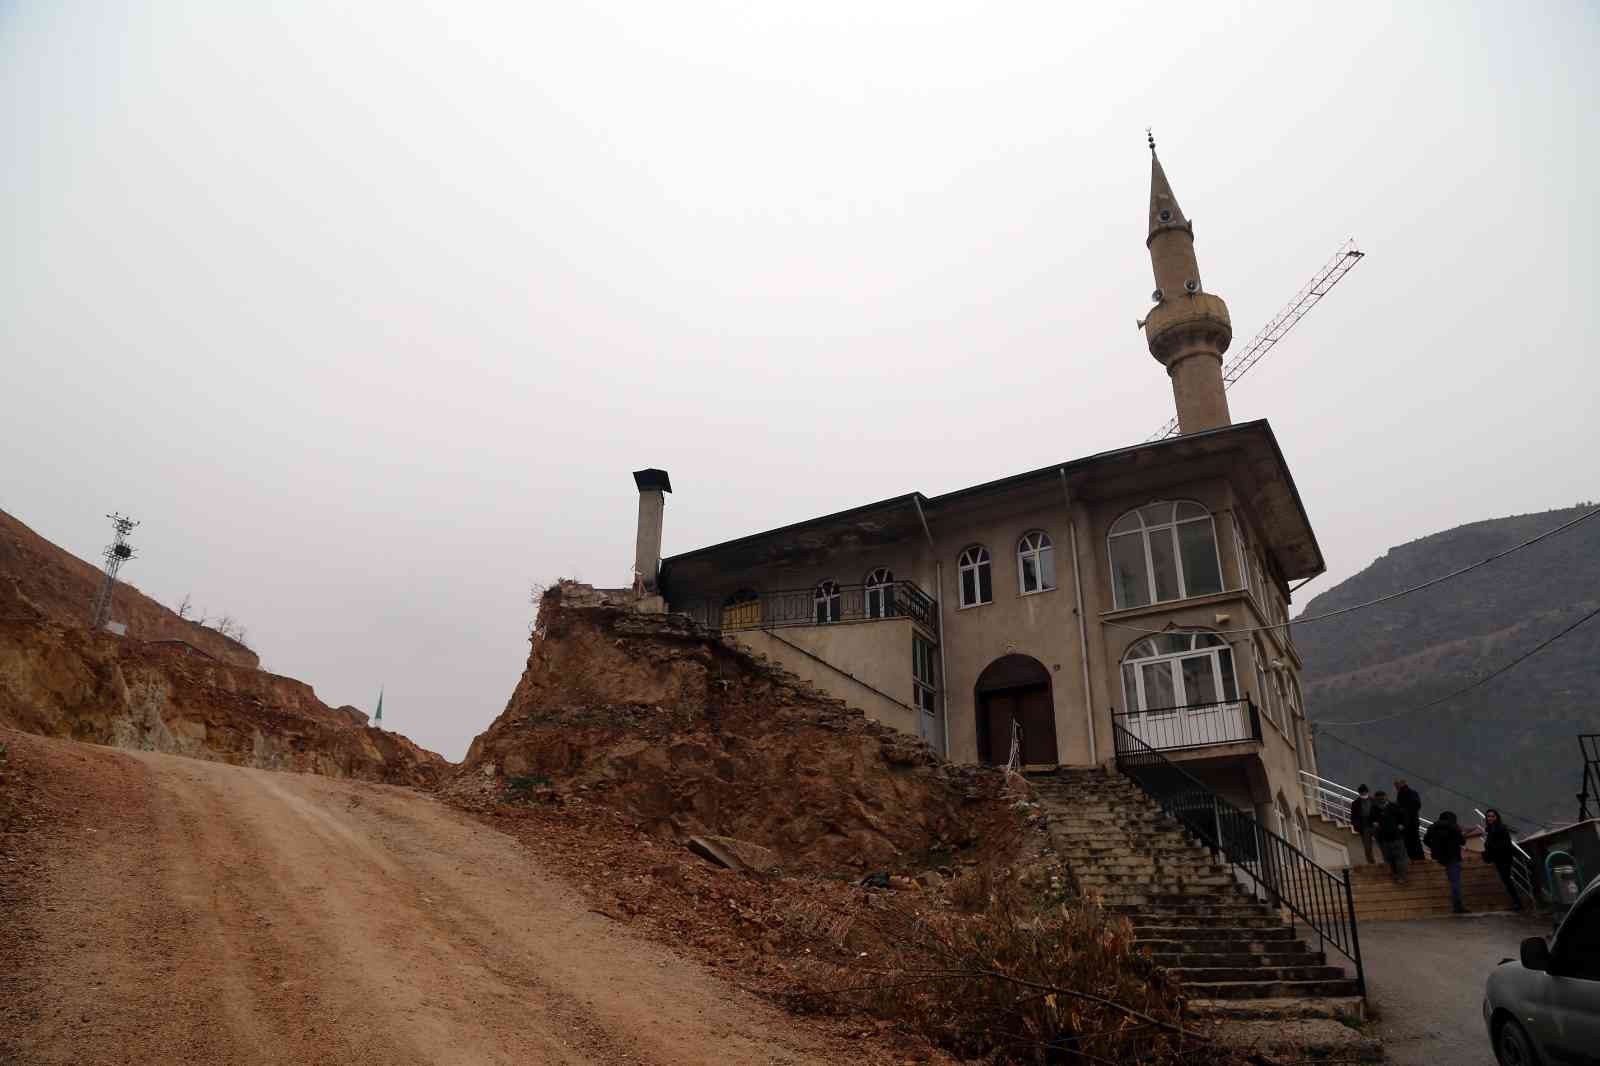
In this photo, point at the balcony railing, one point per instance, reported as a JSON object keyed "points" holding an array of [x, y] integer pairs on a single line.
{"points": [[1194, 725], [809, 607]]}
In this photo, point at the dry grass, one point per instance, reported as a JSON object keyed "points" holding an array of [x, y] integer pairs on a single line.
{"points": [[1004, 979]]}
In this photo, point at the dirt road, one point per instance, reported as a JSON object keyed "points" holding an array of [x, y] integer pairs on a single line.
{"points": [[191, 912]]}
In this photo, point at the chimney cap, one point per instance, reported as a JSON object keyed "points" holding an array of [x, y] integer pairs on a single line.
{"points": [[651, 478]]}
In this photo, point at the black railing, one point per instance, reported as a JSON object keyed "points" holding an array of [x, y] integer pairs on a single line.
{"points": [[1195, 725], [1589, 744], [1282, 874], [822, 606]]}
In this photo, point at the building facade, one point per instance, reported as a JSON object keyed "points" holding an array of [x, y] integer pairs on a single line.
{"points": [[1138, 597]]}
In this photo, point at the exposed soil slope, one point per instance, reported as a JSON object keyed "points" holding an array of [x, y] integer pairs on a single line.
{"points": [[65, 682], [686, 735], [63, 586], [187, 912]]}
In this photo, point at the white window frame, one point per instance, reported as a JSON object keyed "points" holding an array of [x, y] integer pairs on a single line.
{"points": [[1174, 660], [974, 560], [877, 585], [828, 603], [1145, 531], [1036, 545], [1241, 553]]}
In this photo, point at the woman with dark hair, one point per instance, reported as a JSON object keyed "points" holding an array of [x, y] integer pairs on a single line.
{"points": [[1497, 849]]}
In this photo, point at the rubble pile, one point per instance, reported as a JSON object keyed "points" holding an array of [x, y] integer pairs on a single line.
{"points": [[686, 737]]}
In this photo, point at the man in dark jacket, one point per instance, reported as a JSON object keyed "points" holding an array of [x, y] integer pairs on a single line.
{"points": [[1445, 841], [1389, 824], [1361, 819], [1411, 803]]}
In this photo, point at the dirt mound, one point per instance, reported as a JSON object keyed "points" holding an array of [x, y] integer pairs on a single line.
{"points": [[60, 681], [62, 587], [687, 736]]}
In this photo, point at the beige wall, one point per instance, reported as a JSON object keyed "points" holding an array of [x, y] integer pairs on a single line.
{"points": [[1045, 625], [868, 664], [1041, 625]]}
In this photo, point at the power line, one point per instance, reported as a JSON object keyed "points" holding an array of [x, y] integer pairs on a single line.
{"points": [[1485, 804], [1535, 650], [1391, 596]]}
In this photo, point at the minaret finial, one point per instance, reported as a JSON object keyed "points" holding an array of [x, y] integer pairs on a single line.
{"points": [[1151, 137]]}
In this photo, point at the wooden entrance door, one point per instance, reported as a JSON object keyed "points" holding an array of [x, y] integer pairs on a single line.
{"points": [[1031, 708]]}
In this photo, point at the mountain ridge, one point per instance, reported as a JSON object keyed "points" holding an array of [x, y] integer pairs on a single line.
{"points": [[1510, 742]]}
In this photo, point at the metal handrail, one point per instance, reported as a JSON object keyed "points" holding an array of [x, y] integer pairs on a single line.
{"points": [[777, 608], [1283, 874], [1589, 746], [1332, 800], [1522, 866], [1194, 725]]}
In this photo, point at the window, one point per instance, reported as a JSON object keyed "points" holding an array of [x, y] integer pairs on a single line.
{"points": [[827, 600], [972, 571], [1178, 670], [1263, 693], [1241, 554], [1036, 562], [1163, 551], [880, 593], [922, 676]]}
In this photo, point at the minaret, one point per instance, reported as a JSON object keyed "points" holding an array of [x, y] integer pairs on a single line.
{"points": [[1188, 329]]}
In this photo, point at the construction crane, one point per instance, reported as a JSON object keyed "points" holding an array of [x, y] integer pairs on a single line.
{"points": [[1343, 261]]}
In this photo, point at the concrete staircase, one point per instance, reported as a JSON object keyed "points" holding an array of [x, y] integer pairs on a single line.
{"points": [[1236, 957], [1426, 893]]}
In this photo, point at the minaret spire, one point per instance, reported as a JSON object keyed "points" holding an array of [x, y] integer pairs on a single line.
{"points": [[1188, 330]]}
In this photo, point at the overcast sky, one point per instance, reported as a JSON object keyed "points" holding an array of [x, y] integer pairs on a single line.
{"points": [[367, 315]]}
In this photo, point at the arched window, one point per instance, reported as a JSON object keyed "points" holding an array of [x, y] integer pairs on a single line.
{"points": [[1163, 551], [880, 593], [1036, 562], [972, 572], [827, 600], [1178, 670]]}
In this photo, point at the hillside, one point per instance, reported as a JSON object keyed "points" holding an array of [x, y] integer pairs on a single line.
{"points": [[63, 587], [169, 685], [1510, 742]]}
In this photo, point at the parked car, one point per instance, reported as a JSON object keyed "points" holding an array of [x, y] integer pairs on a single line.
{"points": [[1544, 1009]]}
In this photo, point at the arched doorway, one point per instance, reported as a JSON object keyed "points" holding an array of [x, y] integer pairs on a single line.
{"points": [[1016, 688]]}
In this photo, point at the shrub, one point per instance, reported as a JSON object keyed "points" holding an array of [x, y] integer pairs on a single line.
{"points": [[1011, 981]]}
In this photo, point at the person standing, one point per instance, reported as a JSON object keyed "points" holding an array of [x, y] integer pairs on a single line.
{"points": [[1389, 825], [1498, 850], [1410, 802], [1361, 820], [1445, 841]]}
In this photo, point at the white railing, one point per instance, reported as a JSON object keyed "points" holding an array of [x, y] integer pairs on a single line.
{"points": [[1521, 864], [1332, 800]]}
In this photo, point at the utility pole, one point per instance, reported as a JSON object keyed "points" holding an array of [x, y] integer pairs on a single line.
{"points": [[116, 553]]}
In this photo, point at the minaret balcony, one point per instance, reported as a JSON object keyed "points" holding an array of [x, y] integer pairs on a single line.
{"points": [[1179, 323]]}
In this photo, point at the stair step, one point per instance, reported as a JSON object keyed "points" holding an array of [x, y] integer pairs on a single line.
{"points": [[1281, 1007], [1217, 947], [1301, 1038], [1333, 986], [1257, 925], [1254, 972], [1180, 960], [1233, 933]]}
